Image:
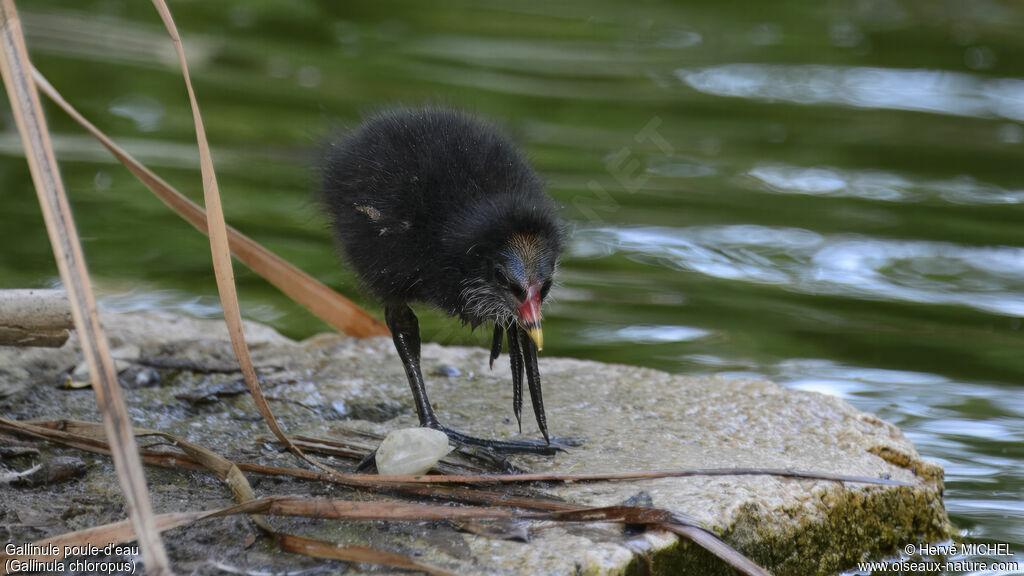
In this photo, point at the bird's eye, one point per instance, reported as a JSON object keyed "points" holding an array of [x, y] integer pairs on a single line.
{"points": [[545, 289], [518, 292], [500, 278]]}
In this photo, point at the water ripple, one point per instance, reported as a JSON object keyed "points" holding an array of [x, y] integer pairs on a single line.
{"points": [[177, 302], [935, 91], [926, 272], [878, 185], [647, 334], [144, 110]]}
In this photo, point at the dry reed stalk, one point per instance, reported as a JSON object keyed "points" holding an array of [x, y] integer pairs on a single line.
{"points": [[60, 226], [222, 266], [334, 309]]}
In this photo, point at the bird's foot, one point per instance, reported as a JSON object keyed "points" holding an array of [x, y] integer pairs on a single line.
{"points": [[537, 447], [479, 448]]}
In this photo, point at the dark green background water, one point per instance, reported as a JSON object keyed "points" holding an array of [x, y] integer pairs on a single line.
{"points": [[828, 194]]}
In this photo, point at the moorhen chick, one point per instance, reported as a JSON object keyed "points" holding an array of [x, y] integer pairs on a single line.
{"points": [[434, 206]]}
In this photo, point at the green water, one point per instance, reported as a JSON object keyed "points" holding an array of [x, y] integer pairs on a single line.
{"points": [[828, 194]]}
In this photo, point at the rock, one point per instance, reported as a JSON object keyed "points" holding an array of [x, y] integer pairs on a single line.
{"points": [[628, 418], [122, 356], [54, 470], [136, 376], [411, 451], [447, 371]]}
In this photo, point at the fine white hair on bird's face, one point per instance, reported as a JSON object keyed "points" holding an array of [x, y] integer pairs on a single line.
{"points": [[481, 301]]}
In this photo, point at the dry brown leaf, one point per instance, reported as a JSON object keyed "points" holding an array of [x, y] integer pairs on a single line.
{"points": [[351, 553]]}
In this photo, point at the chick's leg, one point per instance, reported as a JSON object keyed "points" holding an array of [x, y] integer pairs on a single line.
{"points": [[405, 332]]}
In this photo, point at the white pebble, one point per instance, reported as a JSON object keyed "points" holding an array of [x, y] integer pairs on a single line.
{"points": [[411, 451]]}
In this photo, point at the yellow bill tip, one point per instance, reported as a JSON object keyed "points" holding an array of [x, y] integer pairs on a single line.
{"points": [[537, 336]]}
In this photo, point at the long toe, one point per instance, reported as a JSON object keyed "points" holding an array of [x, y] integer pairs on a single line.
{"points": [[537, 447]]}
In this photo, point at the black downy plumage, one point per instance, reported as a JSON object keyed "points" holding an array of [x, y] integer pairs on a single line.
{"points": [[434, 206]]}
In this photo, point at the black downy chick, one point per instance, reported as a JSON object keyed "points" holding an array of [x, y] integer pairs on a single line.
{"points": [[434, 206]]}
